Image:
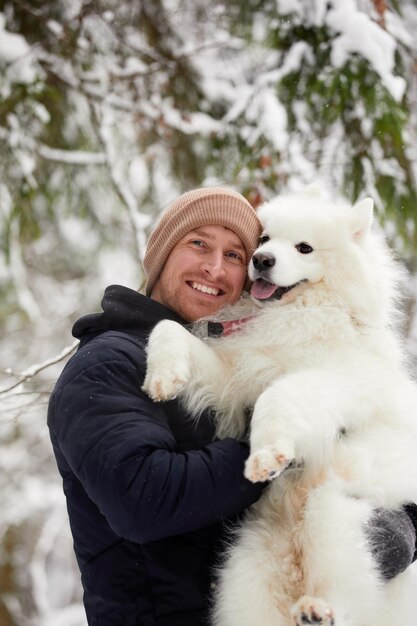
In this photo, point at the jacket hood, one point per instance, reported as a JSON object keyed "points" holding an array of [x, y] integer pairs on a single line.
{"points": [[124, 309]]}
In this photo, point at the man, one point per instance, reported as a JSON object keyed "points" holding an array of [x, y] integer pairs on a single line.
{"points": [[149, 491]]}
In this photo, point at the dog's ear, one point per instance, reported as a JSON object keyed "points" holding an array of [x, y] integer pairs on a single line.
{"points": [[361, 218]]}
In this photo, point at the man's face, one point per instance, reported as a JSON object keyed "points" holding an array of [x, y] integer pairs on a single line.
{"points": [[204, 271]]}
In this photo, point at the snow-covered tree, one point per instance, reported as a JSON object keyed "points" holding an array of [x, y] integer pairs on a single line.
{"points": [[109, 109]]}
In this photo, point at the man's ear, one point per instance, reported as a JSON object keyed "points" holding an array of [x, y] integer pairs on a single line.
{"points": [[361, 218]]}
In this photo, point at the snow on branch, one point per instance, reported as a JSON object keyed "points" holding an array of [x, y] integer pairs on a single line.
{"points": [[104, 123], [31, 371], [358, 33], [72, 157]]}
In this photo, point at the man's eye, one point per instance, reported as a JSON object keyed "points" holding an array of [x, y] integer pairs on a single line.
{"points": [[304, 247], [198, 242], [234, 255], [263, 239]]}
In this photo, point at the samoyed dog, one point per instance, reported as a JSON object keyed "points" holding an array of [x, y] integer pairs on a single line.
{"points": [[334, 417]]}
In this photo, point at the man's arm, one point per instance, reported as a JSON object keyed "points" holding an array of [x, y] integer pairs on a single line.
{"points": [[119, 445]]}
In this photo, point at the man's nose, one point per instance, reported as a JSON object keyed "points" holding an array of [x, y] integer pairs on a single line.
{"points": [[214, 264]]}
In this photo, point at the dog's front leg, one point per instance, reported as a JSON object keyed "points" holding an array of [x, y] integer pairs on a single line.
{"points": [[168, 361], [178, 362], [298, 417], [271, 444]]}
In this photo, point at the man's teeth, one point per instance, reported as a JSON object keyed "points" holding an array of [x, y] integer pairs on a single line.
{"points": [[210, 290]]}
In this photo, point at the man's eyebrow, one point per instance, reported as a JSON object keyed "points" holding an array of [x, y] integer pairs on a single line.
{"points": [[202, 233]]}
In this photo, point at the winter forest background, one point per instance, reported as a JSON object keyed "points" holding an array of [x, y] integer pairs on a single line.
{"points": [[111, 108]]}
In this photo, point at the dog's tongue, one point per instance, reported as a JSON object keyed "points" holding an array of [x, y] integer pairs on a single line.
{"points": [[262, 289]]}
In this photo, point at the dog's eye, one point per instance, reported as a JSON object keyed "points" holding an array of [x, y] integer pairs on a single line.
{"points": [[304, 248], [263, 239]]}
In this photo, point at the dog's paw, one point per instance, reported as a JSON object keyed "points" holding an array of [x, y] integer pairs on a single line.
{"points": [[168, 367], [313, 611], [265, 464], [164, 382]]}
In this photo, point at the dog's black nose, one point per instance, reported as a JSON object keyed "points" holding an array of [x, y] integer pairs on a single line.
{"points": [[263, 261]]}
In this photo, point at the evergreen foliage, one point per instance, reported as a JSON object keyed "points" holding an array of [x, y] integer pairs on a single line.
{"points": [[109, 109]]}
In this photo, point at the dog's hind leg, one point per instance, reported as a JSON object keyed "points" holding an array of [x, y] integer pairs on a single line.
{"points": [[314, 611], [250, 591], [338, 563]]}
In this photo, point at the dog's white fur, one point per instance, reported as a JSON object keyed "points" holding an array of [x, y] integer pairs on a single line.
{"points": [[325, 373]]}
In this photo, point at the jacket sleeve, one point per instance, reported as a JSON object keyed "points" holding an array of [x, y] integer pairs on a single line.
{"points": [[119, 445]]}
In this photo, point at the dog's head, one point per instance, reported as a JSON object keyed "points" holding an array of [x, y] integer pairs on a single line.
{"points": [[309, 239]]}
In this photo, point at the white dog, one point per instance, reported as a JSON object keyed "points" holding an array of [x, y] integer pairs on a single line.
{"points": [[333, 406]]}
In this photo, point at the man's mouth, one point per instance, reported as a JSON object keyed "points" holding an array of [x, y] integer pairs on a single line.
{"points": [[211, 291], [264, 290]]}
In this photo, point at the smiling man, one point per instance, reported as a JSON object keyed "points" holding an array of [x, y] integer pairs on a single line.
{"points": [[149, 492], [205, 270], [197, 256]]}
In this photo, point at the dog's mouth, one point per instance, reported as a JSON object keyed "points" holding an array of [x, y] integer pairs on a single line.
{"points": [[264, 290]]}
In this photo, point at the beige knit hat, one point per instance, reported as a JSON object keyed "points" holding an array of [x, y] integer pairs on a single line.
{"points": [[199, 207]]}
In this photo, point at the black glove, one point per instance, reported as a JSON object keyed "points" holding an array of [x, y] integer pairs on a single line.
{"points": [[392, 538]]}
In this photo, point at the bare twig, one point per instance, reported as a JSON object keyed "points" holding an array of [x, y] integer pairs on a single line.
{"points": [[31, 371], [380, 7], [25, 6]]}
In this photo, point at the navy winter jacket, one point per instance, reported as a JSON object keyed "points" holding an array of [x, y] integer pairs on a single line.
{"points": [[148, 490]]}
